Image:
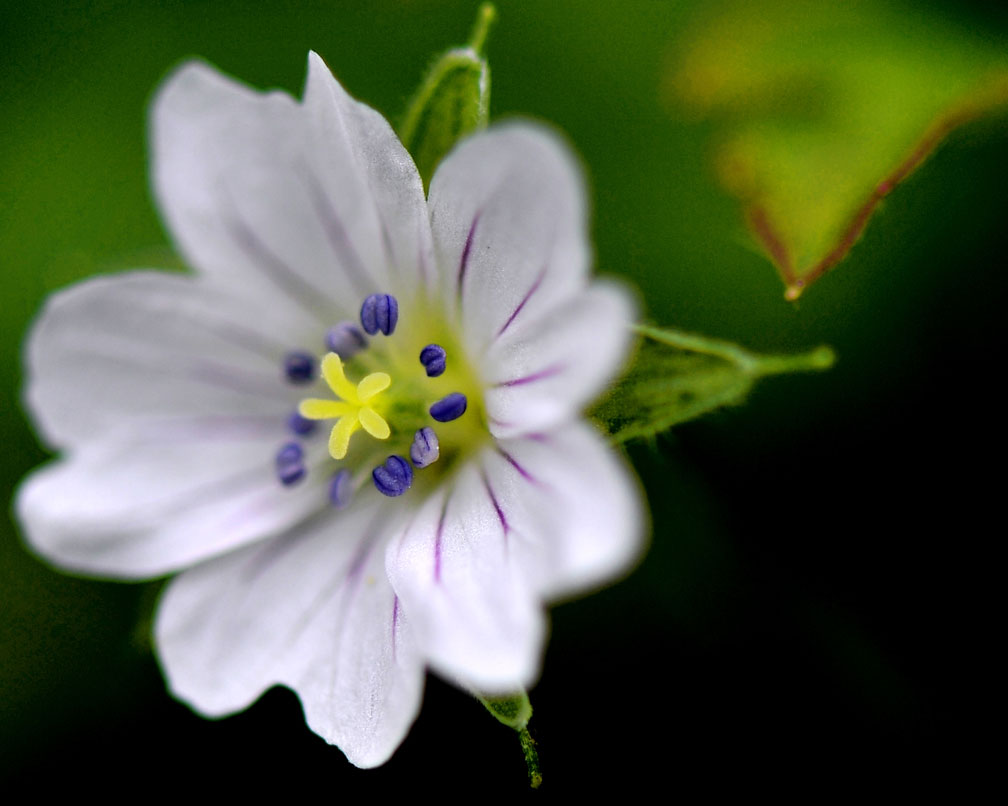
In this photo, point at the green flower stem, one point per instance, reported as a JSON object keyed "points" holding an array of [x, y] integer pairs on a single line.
{"points": [[531, 757], [515, 711], [759, 366]]}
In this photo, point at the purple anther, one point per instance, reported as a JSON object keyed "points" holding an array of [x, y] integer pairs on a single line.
{"points": [[433, 358], [299, 367], [341, 489], [379, 312], [299, 425], [425, 449], [394, 477], [290, 464], [346, 340], [449, 408]]}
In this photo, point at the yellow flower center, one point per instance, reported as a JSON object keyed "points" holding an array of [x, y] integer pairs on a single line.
{"points": [[354, 408]]}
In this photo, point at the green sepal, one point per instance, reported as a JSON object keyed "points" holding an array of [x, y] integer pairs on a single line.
{"points": [[515, 711], [452, 102], [676, 377]]}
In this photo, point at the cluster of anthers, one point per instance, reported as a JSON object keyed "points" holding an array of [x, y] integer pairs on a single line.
{"points": [[368, 405]]}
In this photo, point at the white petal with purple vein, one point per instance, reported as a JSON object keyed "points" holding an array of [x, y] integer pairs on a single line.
{"points": [[311, 609], [310, 206], [548, 370], [574, 513], [507, 211], [367, 189], [116, 351], [153, 502], [474, 615]]}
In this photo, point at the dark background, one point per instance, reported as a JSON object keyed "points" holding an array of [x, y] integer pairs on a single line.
{"points": [[816, 602]]}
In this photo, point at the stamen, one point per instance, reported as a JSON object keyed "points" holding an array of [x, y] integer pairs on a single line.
{"points": [[299, 425], [433, 358], [341, 489], [425, 449], [290, 464], [449, 408], [299, 367], [394, 477], [379, 312], [346, 339]]}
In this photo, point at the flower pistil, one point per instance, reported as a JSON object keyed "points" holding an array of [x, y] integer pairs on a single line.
{"points": [[372, 403], [354, 408]]}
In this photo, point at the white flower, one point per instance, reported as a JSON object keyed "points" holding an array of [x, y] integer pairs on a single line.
{"points": [[172, 400]]}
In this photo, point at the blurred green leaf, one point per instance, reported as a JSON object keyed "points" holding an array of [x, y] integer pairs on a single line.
{"points": [[824, 108], [452, 101], [676, 377]]}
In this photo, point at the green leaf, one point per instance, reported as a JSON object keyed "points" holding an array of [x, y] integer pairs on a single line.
{"points": [[824, 108], [676, 377], [452, 101]]}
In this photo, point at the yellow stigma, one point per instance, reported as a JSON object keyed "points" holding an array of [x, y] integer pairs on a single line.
{"points": [[352, 409]]}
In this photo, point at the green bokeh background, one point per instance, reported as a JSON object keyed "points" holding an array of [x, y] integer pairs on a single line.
{"points": [[810, 605]]}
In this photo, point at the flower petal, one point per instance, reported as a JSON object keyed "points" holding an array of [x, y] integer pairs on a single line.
{"points": [[153, 502], [312, 610], [313, 205], [474, 615], [508, 214], [570, 507], [548, 370], [116, 351]]}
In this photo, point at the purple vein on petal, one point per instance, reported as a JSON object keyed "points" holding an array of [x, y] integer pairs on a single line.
{"points": [[525, 299], [359, 560], [514, 463], [351, 587], [386, 238], [395, 622], [464, 262], [262, 561], [208, 372], [226, 378], [336, 234], [496, 505], [248, 339], [276, 548], [421, 255], [437, 543], [541, 375], [232, 486], [310, 298], [215, 427]]}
